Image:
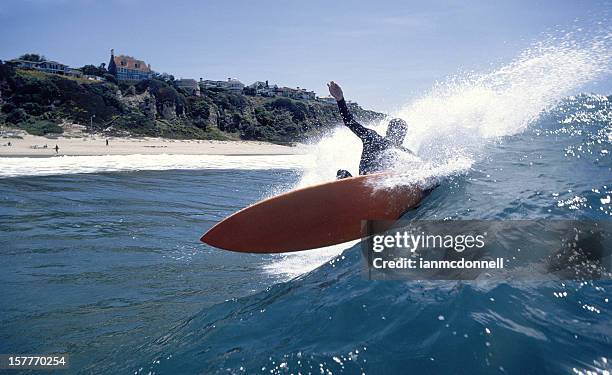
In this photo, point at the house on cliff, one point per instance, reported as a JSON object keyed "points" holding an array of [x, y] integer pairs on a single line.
{"points": [[128, 68], [190, 85], [47, 66], [231, 84], [263, 88], [297, 93]]}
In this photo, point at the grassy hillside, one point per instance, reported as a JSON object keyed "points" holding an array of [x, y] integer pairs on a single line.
{"points": [[38, 102]]}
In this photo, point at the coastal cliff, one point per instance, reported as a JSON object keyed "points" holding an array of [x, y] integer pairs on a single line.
{"points": [[42, 103]]}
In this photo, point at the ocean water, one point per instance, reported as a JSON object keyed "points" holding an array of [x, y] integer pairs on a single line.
{"points": [[101, 258]]}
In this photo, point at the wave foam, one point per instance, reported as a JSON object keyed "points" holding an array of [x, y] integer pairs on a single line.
{"points": [[14, 167], [450, 124]]}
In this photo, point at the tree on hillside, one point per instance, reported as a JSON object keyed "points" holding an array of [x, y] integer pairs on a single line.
{"points": [[93, 70], [7, 72], [168, 78], [33, 57]]}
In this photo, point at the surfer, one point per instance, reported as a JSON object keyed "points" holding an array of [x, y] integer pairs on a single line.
{"points": [[375, 155]]}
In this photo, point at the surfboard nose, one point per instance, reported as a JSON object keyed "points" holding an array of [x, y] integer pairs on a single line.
{"points": [[209, 238], [222, 236]]}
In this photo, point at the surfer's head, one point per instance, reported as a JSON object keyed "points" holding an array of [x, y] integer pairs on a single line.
{"points": [[396, 131]]}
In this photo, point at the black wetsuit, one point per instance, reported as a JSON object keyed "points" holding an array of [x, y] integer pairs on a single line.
{"points": [[374, 154]]}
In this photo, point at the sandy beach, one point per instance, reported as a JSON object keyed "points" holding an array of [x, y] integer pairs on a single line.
{"points": [[19, 144]]}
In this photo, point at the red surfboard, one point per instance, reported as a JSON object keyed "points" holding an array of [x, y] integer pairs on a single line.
{"points": [[312, 217]]}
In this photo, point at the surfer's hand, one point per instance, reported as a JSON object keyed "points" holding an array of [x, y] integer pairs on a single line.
{"points": [[335, 90]]}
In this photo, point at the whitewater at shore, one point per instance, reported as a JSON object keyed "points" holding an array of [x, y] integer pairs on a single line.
{"points": [[25, 145]]}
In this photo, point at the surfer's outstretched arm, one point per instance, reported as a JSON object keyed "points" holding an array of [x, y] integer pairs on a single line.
{"points": [[360, 130]]}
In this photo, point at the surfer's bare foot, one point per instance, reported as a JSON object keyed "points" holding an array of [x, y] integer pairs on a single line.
{"points": [[335, 90]]}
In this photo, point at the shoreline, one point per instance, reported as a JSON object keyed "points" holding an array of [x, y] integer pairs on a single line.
{"points": [[17, 156], [27, 145]]}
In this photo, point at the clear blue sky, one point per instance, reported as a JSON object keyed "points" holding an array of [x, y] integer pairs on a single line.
{"points": [[382, 52]]}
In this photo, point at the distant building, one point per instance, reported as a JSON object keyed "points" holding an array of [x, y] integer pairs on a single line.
{"points": [[188, 84], [43, 66], [296, 93], [128, 68], [93, 78], [23, 64], [73, 72], [258, 86], [53, 67], [327, 99], [263, 88], [306, 95], [269, 91], [231, 84]]}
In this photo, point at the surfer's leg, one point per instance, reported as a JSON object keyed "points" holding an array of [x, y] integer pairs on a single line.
{"points": [[343, 173]]}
